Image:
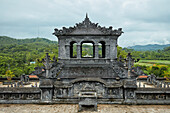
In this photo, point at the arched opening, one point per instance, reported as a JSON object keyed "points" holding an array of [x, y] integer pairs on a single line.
{"points": [[87, 49], [101, 49], [73, 49]]}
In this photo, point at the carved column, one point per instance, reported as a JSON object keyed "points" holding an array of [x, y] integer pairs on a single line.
{"points": [[96, 51], [107, 51], [67, 51], [58, 51], [116, 50], [78, 51]]}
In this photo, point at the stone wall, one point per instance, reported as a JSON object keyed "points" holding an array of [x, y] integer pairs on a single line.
{"points": [[152, 96], [70, 94], [19, 95]]}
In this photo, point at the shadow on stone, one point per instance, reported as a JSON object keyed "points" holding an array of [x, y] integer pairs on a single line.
{"points": [[88, 108]]}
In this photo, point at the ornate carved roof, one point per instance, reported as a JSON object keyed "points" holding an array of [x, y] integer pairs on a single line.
{"points": [[87, 28]]}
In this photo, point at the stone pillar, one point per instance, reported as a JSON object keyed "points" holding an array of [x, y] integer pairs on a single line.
{"points": [[78, 51], [67, 51], [116, 50], [139, 84], [164, 85], [46, 87], [161, 85], [148, 80], [113, 49], [158, 84], [107, 52], [96, 51], [111, 52], [58, 50]]}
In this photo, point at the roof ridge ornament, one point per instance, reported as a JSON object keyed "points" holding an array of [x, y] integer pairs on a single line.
{"points": [[86, 25], [86, 16], [86, 22]]}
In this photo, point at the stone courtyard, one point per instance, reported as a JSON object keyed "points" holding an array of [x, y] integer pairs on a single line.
{"points": [[73, 108]]}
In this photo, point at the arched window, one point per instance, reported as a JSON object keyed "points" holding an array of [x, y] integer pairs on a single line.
{"points": [[73, 49], [87, 49], [101, 49]]}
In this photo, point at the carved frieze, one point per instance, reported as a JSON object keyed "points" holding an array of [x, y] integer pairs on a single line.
{"points": [[152, 96], [60, 92], [114, 91], [32, 96]]}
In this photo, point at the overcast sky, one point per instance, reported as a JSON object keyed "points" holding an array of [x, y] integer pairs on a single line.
{"points": [[143, 21]]}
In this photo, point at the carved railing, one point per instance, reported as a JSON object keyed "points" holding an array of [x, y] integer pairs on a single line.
{"points": [[20, 94], [152, 94]]}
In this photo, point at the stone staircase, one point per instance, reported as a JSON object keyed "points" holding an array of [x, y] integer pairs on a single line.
{"points": [[87, 99]]}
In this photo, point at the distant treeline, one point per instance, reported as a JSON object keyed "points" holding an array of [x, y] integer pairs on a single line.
{"points": [[149, 47], [151, 55]]}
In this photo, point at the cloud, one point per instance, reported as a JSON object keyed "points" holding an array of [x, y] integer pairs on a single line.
{"points": [[143, 21]]}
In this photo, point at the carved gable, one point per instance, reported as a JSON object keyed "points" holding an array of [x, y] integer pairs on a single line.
{"points": [[87, 28]]}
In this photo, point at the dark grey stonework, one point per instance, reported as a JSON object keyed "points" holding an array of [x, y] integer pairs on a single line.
{"points": [[88, 81]]}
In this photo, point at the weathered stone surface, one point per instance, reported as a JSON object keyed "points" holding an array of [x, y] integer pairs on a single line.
{"points": [[87, 28]]}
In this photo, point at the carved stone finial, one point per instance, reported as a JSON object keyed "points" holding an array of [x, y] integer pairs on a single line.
{"points": [[86, 15]]}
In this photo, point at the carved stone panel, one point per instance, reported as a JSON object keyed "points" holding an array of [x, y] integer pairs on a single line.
{"points": [[29, 96], [89, 86], [149, 96], [129, 94], [83, 71], [46, 94], [60, 93]]}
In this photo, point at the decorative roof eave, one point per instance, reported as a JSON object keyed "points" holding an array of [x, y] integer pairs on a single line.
{"points": [[87, 24]]}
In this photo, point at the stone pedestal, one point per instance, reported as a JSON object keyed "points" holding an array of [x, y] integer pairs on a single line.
{"points": [[129, 91], [46, 87]]}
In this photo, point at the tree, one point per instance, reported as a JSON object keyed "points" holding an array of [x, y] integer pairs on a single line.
{"points": [[121, 52], [9, 74]]}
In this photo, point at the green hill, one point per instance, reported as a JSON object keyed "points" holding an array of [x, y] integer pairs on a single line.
{"points": [[149, 47], [4, 40], [16, 54]]}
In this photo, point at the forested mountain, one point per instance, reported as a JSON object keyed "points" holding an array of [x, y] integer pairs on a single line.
{"points": [[16, 54], [4, 40], [149, 47]]}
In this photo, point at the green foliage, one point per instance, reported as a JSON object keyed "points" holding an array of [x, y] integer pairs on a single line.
{"points": [[9, 74], [121, 52], [151, 55], [74, 50], [87, 50], [151, 62], [16, 54], [156, 69]]}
